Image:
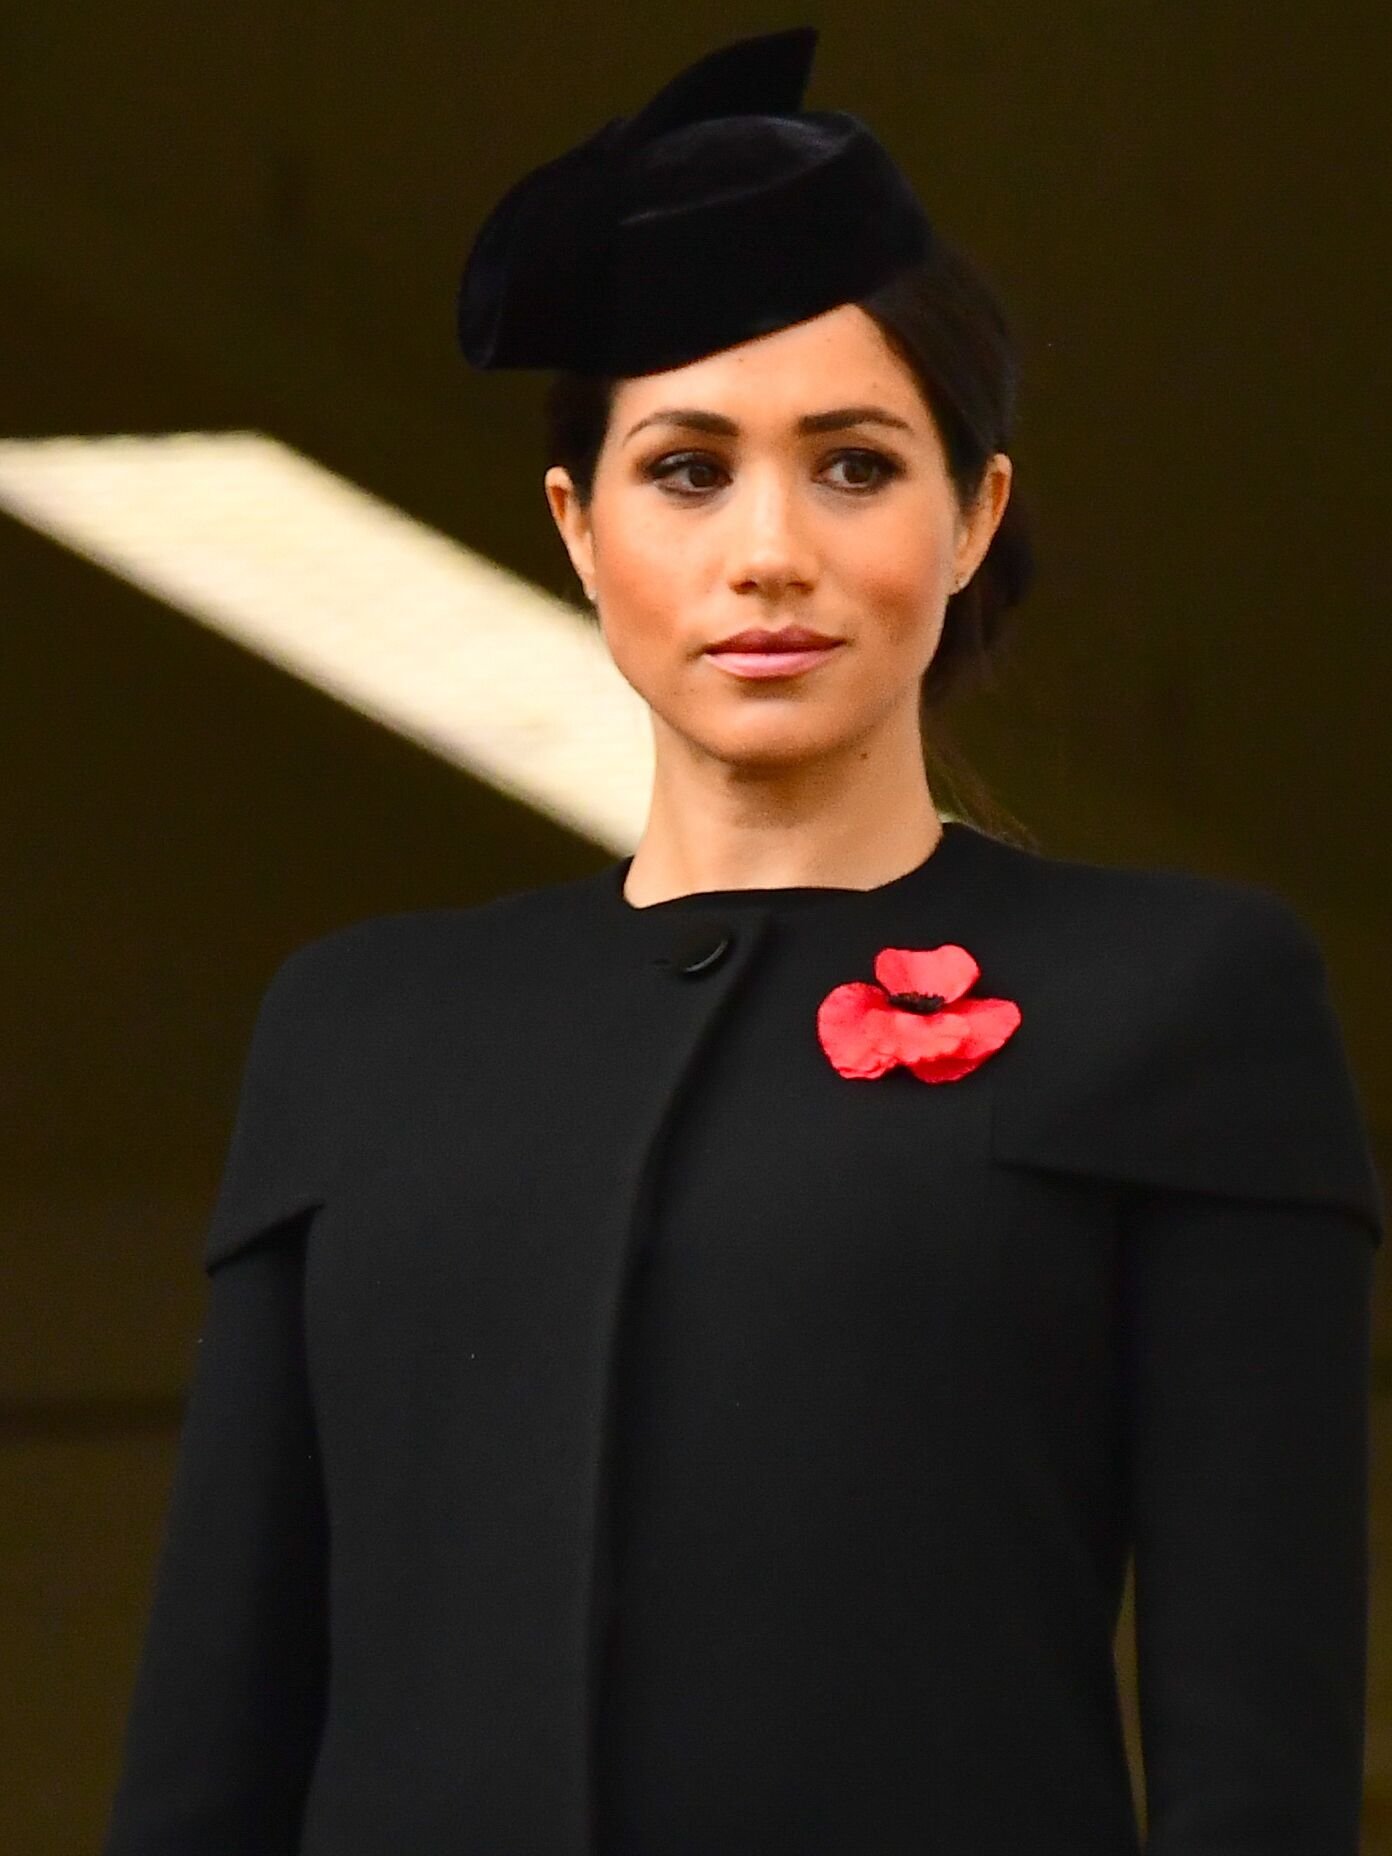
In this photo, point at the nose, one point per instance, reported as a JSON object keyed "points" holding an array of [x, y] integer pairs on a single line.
{"points": [[768, 548]]}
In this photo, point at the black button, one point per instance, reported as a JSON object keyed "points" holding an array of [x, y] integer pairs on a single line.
{"points": [[700, 949]]}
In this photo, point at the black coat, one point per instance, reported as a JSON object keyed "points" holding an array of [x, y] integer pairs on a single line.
{"points": [[615, 1430]]}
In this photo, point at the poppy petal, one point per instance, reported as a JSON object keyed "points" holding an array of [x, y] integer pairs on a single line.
{"points": [[985, 1026], [931, 1035], [947, 970], [853, 1029]]}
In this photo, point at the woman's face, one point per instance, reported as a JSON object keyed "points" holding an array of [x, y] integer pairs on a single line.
{"points": [[718, 506]]}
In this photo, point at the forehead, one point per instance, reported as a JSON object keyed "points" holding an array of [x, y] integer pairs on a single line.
{"points": [[841, 352]]}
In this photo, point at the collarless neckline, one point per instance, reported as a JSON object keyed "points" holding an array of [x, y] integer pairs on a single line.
{"points": [[956, 838]]}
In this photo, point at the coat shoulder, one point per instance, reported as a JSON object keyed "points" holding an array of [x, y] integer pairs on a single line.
{"points": [[382, 944], [1179, 1033], [1134, 906], [339, 1023]]}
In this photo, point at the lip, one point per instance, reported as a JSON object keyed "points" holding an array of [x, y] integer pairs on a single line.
{"points": [[760, 638], [760, 664]]}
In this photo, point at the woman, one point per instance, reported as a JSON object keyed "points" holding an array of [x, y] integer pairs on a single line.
{"points": [[691, 1351]]}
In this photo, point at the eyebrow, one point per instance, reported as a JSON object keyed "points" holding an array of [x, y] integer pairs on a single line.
{"points": [[837, 419]]}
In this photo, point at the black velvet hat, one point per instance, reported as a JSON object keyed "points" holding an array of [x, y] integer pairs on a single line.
{"points": [[719, 212]]}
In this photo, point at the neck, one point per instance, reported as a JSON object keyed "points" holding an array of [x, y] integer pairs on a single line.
{"points": [[852, 821]]}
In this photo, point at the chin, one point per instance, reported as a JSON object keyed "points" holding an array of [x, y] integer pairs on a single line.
{"points": [[771, 741]]}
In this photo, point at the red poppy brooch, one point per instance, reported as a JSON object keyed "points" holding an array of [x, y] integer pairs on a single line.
{"points": [[917, 1015]]}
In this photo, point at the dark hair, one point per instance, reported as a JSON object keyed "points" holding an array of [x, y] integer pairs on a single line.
{"points": [[945, 322]]}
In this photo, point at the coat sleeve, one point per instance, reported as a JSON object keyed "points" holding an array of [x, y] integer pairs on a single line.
{"points": [[1246, 1271], [226, 1712]]}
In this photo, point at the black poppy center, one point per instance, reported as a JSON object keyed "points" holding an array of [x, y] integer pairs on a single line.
{"points": [[917, 1001]]}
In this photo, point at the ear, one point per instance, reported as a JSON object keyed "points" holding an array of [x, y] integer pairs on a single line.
{"points": [[977, 527], [573, 523]]}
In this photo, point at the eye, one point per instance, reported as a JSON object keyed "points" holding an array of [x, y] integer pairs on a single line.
{"points": [[662, 470], [665, 469], [885, 467]]}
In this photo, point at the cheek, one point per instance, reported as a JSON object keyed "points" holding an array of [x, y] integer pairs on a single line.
{"points": [[890, 576], [641, 571], [641, 557], [641, 598], [648, 590]]}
